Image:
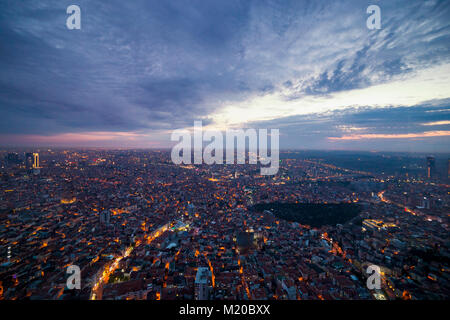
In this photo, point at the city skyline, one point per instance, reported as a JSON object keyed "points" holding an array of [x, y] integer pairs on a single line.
{"points": [[131, 225], [224, 156], [134, 73]]}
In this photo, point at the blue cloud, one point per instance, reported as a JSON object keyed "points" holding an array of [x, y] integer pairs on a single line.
{"points": [[151, 65], [313, 130]]}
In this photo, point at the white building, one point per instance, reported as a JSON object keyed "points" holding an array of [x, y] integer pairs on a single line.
{"points": [[202, 283]]}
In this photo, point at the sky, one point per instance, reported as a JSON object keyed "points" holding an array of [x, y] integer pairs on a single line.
{"points": [[137, 70]]}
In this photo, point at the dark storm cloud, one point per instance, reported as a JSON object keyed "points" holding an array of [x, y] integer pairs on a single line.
{"points": [[397, 120], [131, 66], [312, 131], [355, 77]]}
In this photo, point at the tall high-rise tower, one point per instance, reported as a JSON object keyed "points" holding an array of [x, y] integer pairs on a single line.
{"points": [[29, 160], [35, 160], [32, 160], [431, 167]]}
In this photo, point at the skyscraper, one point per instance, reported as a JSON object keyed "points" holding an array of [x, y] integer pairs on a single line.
{"points": [[35, 160], [32, 160], [431, 167], [29, 160]]}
